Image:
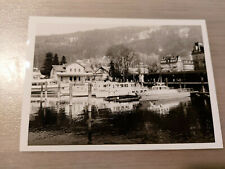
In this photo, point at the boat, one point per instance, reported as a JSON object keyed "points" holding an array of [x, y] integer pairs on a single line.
{"points": [[40, 85], [98, 89], [123, 98], [113, 89], [78, 89], [162, 92]]}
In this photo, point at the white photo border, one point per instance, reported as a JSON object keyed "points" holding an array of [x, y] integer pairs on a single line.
{"points": [[35, 20]]}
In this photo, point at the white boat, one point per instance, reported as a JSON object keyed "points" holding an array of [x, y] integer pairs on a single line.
{"points": [[161, 92], [40, 84], [113, 89], [100, 89], [78, 89]]}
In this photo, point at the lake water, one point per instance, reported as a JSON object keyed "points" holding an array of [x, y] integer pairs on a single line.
{"points": [[170, 121]]}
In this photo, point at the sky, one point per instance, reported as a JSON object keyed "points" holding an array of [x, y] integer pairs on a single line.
{"points": [[50, 26], [50, 29], [81, 24]]}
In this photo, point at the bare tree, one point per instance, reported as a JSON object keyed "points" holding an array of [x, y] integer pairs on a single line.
{"points": [[122, 57]]}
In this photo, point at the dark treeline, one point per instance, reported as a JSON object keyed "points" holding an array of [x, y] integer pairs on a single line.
{"points": [[49, 61]]}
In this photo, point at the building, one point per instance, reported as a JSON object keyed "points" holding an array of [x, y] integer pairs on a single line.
{"points": [[74, 72], [101, 73], [175, 64], [171, 63], [143, 69], [188, 65], [139, 69], [198, 56], [57, 69]]}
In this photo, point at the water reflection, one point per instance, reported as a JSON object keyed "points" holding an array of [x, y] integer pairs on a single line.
{"points": [[168, 121]]}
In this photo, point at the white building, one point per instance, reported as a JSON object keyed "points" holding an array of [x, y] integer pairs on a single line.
{"points": [[74, 72], [175, 63], [139, 69], [188, 65], [101, 73], [57, 69]]}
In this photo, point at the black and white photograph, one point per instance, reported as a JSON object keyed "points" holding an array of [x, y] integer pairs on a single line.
{"points": [[118, 84]]}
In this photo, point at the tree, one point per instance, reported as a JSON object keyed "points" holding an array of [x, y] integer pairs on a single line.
{"points": [[121, 57], [55, 60], [63, 61], [47, 67], [112, 71]]}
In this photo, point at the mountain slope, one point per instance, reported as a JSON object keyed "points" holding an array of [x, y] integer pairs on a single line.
{"points": [[149, 41]]}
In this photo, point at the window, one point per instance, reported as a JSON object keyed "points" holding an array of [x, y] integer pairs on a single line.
{"points": [[74, 70], [75, 78], [61, 78], [70, 78], [79, 78], [79, 70], [71, 69]]}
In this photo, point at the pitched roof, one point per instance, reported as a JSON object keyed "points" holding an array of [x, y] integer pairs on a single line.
{"points": [[106, 68], [76, 63], [102, 68], [88, 69]]}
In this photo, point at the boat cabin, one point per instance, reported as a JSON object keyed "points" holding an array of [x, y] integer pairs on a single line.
{"points": [[160, 86]]}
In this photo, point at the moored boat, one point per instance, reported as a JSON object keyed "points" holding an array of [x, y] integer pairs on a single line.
{"points": [[162, 92], [113, 89], [42, 85], [124, 98]]}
